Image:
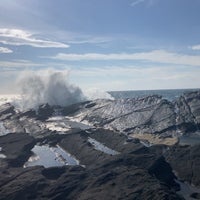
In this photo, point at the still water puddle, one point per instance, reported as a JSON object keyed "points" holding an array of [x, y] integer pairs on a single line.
{"points": [[3, 130], [50, 157], [101, 147], [1, 154], [63, 124]]}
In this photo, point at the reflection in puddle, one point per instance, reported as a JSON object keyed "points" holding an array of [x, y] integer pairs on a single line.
{"points": [[3, 130], [57, 124], [50, 157], [63, 124], [59, 127], [101, 147], [1, 154]]}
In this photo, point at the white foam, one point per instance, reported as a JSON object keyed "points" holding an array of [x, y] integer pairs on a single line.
{"points": [[8, 98], [47, 86], [56, 123], [56, 126], [95, 93]]}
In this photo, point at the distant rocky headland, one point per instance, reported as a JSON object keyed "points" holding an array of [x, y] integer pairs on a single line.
{"points": [[141, 148]]}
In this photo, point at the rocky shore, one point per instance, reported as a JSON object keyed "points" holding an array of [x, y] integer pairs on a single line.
{"points": [[102, 149]]}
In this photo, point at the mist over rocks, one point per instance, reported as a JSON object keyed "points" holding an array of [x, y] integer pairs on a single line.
{"points": [[53, 88], [50, 87]]}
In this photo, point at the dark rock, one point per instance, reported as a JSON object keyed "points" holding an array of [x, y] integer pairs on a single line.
{"points": [[44, 112], [53, 173], [125, 183], [195, 195], [78, 145], [188, 111], [118, 179], [6, 111], [185, 161], [120, 142], [72, 109], [17, 148], [22, 183], [163, 172]]}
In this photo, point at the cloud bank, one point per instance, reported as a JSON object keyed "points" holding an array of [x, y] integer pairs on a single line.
{"points": [[19, 37], [196, 47], [136, 2], [5, 50], [160, 56]]}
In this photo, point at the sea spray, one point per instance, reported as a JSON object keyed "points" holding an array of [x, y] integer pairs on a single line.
{"points": [[47, 86], [95, 93]]}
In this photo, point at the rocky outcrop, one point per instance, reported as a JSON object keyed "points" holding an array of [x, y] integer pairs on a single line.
{"points": [[6, 111], [151, 115], [136, 172], [17, 148], [144, 115], [188, 111], [111, 164]]}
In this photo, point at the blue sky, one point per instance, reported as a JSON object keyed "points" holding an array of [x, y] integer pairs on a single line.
{"points": [[107, 44]]}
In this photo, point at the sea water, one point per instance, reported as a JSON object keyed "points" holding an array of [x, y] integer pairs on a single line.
{"points": [[166, 94]]}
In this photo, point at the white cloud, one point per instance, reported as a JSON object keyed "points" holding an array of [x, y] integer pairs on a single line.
{"points": [[90, 40], [136, 78], [134, 3], [196, 47], [5, 50], [158, 56], [19, 37], [113, 77], [17, 64], [149, 2]]}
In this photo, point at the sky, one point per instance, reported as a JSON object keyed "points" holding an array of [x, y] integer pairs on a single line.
{"points": [[103, 44]]}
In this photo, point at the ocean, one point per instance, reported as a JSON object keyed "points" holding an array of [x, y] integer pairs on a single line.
{"points": [[166, 94]]}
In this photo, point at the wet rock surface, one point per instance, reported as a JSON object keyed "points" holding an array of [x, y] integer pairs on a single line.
{"points": [[110, 164], [150, 114]]}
